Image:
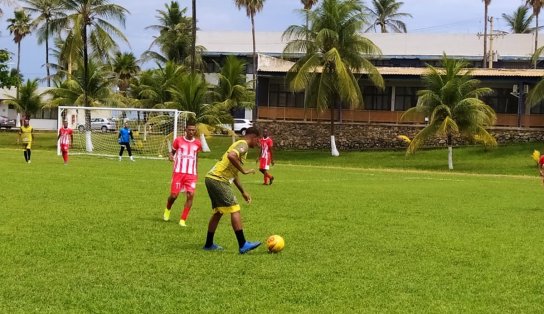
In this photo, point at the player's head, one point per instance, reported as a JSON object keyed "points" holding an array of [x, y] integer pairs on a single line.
{"points": [[265, 132], [26, 122], [126, 125], [190, 129], [65, 124], [252, 137]]}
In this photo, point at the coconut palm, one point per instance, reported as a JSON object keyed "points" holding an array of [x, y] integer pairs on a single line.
{"points": [[252, 7], [452, 101], [125, 66], [537, 6], [174, 41], [308, 5], [90, 20], [386, 15], [29, 101], [46, 10], [232, 91], [152, 87], [19, 26], [87, 88], [486, 14], [190, 93], [68, 52], [334, 51], [519, 21]]}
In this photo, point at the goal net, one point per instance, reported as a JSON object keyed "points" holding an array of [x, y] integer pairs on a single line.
{"points": [[96, 129]]}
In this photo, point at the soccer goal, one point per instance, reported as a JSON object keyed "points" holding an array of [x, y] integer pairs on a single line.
{"points": [[96, 129]]}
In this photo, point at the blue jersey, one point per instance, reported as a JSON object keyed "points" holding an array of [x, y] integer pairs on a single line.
{"points": [[125, 134]]}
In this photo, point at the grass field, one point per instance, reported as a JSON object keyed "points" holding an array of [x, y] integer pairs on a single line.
{"points": [[365, 232]]}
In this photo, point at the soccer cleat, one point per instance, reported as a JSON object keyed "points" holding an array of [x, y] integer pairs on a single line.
{"points": [[120, 158], [166, 215], [271, 180], [248, 246], [182, 223], [131, 158], [29, 161], [213, 247]]}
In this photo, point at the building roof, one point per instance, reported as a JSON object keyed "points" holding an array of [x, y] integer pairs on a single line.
{"points": [[276, 65], [393, 45]]}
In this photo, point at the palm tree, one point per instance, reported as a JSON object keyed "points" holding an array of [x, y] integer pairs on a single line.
{"points": [[125, 66], [152, 87], [19, 26], [10, 3], [29, 101], [486, 13], [87, 88], [308, 5], [452, 101], [252, 7], [90, 20], [46, 10], [536, 5], [334, 51], [385, 14], [190, 93], [519, 21], [173, 40]]}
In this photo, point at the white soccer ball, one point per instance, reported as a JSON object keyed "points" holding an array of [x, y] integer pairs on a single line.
{"points": [[160, 156]]}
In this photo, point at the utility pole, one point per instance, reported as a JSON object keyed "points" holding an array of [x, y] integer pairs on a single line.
{"points": [[489, 54]]}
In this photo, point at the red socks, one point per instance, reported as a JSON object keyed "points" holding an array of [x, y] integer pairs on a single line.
{"points": [[185, 213]]}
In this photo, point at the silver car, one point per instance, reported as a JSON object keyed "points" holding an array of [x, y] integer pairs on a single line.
{"points": [[6, 122], [102, 124]]}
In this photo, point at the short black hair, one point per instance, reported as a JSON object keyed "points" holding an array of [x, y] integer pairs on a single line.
{"points": [[253, 130], [190, 122]]}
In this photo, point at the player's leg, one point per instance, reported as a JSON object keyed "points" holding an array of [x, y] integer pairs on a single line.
{"points": [[25, 153], [175, 188], [129, 150], [28, 151], [64, 151], [265, 177], [186, 208], [212, 226], [121, 151], [236, 222]]}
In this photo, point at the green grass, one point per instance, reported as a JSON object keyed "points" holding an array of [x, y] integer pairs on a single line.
{"points": [[365, 232]]}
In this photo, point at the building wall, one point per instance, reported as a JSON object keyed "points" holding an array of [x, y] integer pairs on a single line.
{"points": [[355, 137]]}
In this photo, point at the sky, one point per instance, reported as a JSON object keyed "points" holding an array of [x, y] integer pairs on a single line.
{"points": [[428, 16]]}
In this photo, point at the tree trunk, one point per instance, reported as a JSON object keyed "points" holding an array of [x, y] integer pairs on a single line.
{"points": [[450, 152], [85, 67], [205, 147], [18, 74], [334, 151], [193, 48], [47, 52], [256, 107], [486, 12], [536, 35]]}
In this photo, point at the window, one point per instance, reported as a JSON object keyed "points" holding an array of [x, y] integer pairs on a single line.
{"points": [[502, 101], [376, 99], [405, 98], [280, 96]]}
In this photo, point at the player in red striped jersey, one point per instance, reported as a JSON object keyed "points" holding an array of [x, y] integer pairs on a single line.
{"points": [[265, 159], [184, 154], [66, 138]]}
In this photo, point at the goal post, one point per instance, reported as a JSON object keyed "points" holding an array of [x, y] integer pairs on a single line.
{"points": [[96, 129]]}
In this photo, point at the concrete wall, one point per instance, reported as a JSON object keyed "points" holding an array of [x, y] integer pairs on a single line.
{"points": [[310, 135]]}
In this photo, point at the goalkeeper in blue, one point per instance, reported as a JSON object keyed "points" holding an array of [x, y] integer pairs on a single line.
{"points": [[124, 138]]}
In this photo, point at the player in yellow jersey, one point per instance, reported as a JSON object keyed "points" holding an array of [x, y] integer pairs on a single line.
{"points": [[26, 136], [218, 182]]}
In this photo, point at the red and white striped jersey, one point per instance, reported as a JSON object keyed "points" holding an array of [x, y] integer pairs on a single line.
{"points": [[266, 145], [186, 155], [65, 136]]}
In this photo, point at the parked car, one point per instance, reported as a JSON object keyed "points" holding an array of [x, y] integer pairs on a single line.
{"points": [[6, 122], [102, 124], [240, 126]]}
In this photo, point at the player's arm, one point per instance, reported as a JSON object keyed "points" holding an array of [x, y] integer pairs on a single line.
{"points": [[131, 136], [32, 134], [271, 156], [58, 136], [246, 195], [171, 154], [235, 161]]}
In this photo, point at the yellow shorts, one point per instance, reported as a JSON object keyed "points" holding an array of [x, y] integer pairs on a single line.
{"points": [[222, 196], [27, 145]]}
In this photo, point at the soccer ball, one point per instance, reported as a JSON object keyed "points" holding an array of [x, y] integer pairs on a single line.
{"points": [[160, 156], [275, 243]]}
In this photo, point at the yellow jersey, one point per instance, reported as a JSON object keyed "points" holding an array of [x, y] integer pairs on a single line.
{"points": [[26, 134], [224, 170]]}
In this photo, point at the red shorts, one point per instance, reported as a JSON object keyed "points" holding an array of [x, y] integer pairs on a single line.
{"points": [[182, 182], [264, 163], [64, 147], [541, 160]]}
